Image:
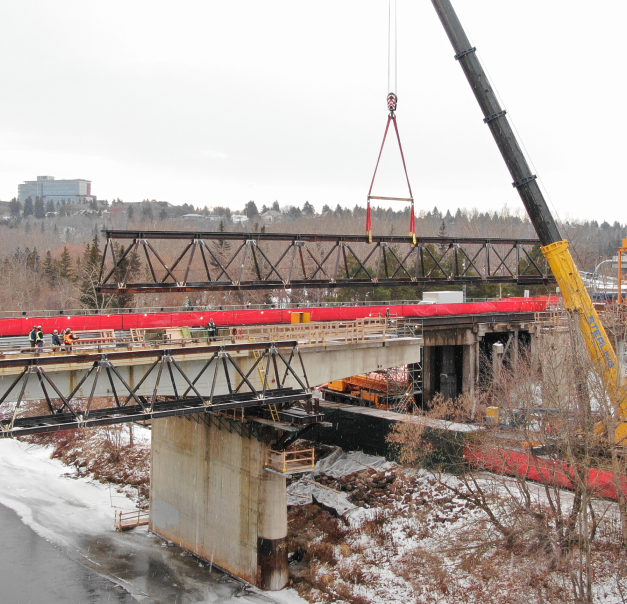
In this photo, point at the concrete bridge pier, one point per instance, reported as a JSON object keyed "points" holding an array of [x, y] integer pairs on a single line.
{"points": [[452, 354], [211, 494]]}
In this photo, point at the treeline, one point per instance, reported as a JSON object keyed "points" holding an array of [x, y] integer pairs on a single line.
{"points": [[55, 263], [61, 282]]}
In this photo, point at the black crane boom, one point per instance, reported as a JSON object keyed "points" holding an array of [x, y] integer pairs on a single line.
{"points": [[496, 119]]}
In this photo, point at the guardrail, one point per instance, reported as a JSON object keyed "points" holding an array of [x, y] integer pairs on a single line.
{"points": [[289, 462], [125, 521], [307, 334]]}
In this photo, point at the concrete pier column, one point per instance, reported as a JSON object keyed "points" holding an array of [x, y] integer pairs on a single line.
{"points": [[428, 390], [448, 377], [211, 495], [469, 376]]}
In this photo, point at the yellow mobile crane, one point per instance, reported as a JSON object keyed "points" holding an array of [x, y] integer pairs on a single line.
{"points": [[554, 246]]}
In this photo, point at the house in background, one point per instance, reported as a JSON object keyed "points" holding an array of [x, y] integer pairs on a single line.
{"points": [[270, 216]]}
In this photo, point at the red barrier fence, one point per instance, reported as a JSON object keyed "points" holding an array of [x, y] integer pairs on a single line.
{"points": [[21, 326], [541, 469]]}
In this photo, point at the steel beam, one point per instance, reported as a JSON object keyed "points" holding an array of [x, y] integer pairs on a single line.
{"points": [[161, 386], [183, 261]]}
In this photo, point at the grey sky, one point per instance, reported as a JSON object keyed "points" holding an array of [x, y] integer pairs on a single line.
{"points": [[217, 103]]}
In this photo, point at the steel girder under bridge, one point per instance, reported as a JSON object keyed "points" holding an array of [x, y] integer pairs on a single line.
{"points": [[162, 387], [182, 261]]}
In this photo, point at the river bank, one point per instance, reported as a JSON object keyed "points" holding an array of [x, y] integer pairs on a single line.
{"points": [[75, 516]]}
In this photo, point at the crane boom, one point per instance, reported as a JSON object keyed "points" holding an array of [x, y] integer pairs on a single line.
{"points": [[555, 248]]}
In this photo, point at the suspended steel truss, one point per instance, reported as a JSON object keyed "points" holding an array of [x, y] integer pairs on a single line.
{"points": [[182, 261], [162, 386]]}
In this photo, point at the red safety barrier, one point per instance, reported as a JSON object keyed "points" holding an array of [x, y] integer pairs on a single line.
{"points": [[22, 326], [541, 469]]}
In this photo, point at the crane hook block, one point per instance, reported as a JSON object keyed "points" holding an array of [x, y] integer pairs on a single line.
{"points": [[392, 100]]}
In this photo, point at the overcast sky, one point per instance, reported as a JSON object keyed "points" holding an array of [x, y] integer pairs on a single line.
{"points": [[219, 103]]}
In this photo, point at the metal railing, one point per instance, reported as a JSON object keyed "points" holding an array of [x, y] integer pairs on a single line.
{"points": [[307, 334], [288, 462]]}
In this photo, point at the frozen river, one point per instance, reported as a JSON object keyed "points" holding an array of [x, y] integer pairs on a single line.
{"points": [[59, 545]]}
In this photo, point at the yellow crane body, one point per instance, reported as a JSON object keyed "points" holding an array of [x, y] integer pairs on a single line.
{"points": [[578, 301]]}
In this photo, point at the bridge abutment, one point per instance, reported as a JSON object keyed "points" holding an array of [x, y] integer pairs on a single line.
{"points": [[211, 494]]}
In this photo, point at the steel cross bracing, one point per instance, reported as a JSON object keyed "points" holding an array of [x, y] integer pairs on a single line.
{"points": [[155, 371], [181, 261]]}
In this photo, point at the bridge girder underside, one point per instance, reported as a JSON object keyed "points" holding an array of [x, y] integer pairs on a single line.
{"points": [[182, 261], [163, 387]]}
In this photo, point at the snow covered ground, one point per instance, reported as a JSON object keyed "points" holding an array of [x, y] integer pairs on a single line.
{"points": [[77, 516]]}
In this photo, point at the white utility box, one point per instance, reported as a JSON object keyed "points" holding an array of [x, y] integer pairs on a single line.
{"points": [[451, 297]]}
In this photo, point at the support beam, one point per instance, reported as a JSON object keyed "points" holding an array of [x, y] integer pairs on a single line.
{"points": [[261, 261]]}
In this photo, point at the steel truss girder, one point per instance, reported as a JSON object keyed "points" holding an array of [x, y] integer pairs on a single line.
{"points": [[183, 261], [68, 410]]}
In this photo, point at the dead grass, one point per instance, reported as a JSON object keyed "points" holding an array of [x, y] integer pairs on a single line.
{"points": [[104, 454], [438, 549]]}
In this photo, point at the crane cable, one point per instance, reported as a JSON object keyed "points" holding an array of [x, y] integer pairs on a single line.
{"points": [[392, 100]]}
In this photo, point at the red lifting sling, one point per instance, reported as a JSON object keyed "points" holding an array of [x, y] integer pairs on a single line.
{"points": [[391, 100]]}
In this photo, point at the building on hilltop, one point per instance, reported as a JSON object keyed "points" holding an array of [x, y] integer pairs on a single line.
{"points": [[49, 189]]}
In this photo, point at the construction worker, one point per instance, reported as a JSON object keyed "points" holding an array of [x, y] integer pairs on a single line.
{"points": [[39, 337], [212, 330], [68, 339], [56, 340], [32, 336]]}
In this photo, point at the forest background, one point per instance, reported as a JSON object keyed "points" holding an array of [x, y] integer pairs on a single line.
{"points": [[51, 253]]}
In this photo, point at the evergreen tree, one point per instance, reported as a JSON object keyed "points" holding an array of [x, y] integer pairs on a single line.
{"points": [[294, 212], [15, 207], [90, 271], [49, 269], [32, 259], [308, 209], [250, 209], [64, 266], [39, 208], [29, 207]]}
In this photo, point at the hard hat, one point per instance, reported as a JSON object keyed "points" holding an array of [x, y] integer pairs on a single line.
{"points": [[55, 331]]}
